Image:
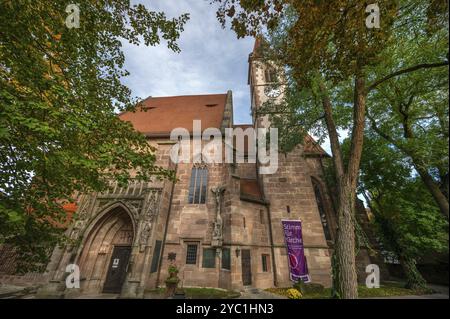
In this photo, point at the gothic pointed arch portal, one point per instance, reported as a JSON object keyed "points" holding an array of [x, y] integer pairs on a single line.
{"points": [[106, 252]]}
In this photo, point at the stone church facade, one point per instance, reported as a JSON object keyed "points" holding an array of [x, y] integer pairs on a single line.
{"points": [[220, 224]]}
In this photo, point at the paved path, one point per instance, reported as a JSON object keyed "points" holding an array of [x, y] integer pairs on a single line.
{"points": [[10, 291], [441, 292], [255, 293]]}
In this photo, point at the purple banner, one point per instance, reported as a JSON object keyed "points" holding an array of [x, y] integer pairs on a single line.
{"points": [[298, 267]]}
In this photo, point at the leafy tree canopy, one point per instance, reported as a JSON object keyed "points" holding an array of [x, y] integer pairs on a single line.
{"points": [[60, 90], [408, 220]]}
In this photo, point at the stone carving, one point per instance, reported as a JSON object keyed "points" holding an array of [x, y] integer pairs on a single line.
{"points": [[101, 204], [145, 234], [217, 232], [217, 236], [133, 206], [148, 214], [143, 206], [82, 216], [151, 205]]}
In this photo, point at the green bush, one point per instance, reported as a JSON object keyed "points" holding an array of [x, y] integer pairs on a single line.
{"points": [[173, 269], [172, 280], [309, 288]]}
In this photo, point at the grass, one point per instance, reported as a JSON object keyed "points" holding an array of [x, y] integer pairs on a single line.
{"points": [[197, 293], [385, 290]]}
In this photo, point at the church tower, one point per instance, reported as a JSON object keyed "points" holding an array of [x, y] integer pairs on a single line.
{"points": [[266, 83], [296, 191]]}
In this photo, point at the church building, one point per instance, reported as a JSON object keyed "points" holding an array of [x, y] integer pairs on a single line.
{"points": [[220, 224]]}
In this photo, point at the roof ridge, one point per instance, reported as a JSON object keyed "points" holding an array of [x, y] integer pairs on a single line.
{"points": [[186, 95]]}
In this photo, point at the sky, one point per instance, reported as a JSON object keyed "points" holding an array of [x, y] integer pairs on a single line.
{"points": [[212, 60]]}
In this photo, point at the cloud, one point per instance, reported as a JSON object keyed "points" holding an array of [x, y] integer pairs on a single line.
{"points": [[212, 59]]}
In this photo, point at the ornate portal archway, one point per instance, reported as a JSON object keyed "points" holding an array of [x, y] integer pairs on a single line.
{"points": [[106, 251]]}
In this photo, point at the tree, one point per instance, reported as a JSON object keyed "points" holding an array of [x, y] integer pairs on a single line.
{"points": [[60, 91], [411, 111], [407, 219], [326, 45]]}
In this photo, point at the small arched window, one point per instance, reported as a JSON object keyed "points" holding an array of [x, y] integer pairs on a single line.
{"points": [[270, 75], [198, 184], [321, 207]]}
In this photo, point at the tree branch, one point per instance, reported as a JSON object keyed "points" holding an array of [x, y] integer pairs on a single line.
{"points": [[357, 137], [332, 132], [403, 71]]}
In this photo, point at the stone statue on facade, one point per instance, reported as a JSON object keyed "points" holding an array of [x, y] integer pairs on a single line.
{"points": [[217, 236], [144, 236]]}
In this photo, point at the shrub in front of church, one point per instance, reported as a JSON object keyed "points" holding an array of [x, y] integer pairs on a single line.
{"points": [[293, 293], [172, 281], [309, 288], [173, 271]]}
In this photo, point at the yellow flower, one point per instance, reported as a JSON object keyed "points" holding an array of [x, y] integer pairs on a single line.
{"points": [[294, 294]]}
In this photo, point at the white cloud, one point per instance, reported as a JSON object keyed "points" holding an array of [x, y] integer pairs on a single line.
{"points": [[212, 60]]}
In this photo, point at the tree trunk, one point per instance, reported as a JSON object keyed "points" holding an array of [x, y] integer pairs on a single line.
{"points": [[414, 279], [434, 189], [345, 280], [346, 284]]}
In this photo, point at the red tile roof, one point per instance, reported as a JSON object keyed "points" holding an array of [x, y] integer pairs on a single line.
{"points": [[160, 115], [311, 147]]}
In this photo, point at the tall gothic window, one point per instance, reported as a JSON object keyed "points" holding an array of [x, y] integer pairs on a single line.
{"points": [[321, 207], [197, 186]]}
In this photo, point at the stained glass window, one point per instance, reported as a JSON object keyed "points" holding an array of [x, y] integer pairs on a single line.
{"points": [[198, 185]]}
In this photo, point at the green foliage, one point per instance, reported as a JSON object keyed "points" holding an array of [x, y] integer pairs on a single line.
{"points": [[309, 288], [412, 109], [406, 219], [173, 269], [336, 71], [172, 280], [386, 290], [60, 90]]}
